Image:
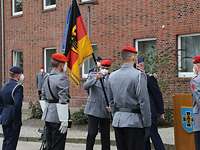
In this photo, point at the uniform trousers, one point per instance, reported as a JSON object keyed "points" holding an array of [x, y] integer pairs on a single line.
{"points": [[55, 140], [39, 94], [129, 138], [102, 125], [155, 138], [197, 140], [11, 136]]}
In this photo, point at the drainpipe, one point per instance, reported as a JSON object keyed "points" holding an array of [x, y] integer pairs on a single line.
{"points": [[2, 41]]}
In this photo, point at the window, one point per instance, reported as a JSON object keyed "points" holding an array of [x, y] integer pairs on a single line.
{"points": [[47, 58], [88, 1], [17, 7], [83, 1], [147, 49], [89, 63], [18, 59], [188, 46], [48, 4]]}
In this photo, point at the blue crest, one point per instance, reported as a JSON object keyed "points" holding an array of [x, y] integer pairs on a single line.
{"points": [[187, 119]]}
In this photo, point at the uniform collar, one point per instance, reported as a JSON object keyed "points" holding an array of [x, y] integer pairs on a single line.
{"points": [[127, 65], [13, 80], [53, 71]]}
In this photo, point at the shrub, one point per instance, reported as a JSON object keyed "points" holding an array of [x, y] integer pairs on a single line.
{"points": [[169, 118], [79, 118], [36, 111]]}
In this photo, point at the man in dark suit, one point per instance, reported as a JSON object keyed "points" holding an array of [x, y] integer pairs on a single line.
{"points": [[39, 81], [157, 108], [11, 116]]}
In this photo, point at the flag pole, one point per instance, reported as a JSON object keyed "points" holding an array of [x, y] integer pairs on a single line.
{"points": [[94, 58], [101, 81]]}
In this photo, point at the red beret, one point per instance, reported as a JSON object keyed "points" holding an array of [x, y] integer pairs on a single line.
{"points": [[129, 49], [106, 62], [59, 57], [196, 59]]}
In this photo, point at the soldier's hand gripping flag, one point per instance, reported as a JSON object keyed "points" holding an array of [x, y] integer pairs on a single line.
{"points": [[76, 43]]}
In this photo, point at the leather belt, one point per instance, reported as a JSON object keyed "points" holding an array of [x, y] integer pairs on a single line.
{"points": [[136, 110], [51, 101]]}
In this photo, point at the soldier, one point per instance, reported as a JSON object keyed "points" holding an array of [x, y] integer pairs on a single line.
{"points": [[39, 81], [11, 116], [157, 108], [129, 101], [55, 92], [96, 68], [98, 115], [195, 88]]}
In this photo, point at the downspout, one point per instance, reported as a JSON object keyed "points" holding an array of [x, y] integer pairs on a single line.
{"points": [[2, 41]]}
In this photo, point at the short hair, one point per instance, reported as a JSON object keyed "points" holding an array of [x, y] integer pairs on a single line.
{"points": [[55, 63], [98, 59], [13, 75], [125, 55]]}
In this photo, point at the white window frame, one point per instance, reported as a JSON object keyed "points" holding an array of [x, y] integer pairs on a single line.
{"points": [[184, 74], [85, 75], [14, 52], [45, 54], [48, 7], [143, 40], [13, 9], [86, 1]]}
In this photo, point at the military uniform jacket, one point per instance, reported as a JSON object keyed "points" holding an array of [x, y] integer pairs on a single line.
{"points": [[11, 100], [195, 88], [39, 80], [60, 87], [128, 89], [96, 103]]}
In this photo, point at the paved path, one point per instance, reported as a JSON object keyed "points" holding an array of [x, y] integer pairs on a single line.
{"points": [[36, 146], [30, 129]]}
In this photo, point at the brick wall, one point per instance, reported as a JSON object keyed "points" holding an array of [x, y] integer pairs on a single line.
{"points": [[114, 23], [0, 49]]}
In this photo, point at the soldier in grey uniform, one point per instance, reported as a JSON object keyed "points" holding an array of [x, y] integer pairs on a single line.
{"points": [[195, 88], [39, 81], [98, 115], [55, 93], [130, 103]]}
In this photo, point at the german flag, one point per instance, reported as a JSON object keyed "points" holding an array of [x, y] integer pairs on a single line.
{"points": [[77, 44]]}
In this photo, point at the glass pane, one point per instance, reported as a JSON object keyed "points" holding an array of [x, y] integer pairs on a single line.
{"points": [[147, 49], [18, 5], [50, 2], [89, 63], [190, 46], [18, 59], [49, 52]]}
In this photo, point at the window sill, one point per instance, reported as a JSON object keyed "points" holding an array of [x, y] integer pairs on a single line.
{"points": [[186, 75], [17, 15], [49, 8], [84, 76]]}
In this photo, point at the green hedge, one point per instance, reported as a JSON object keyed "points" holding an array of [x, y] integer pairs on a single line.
{"points": [[36, 111], [79, 118]]}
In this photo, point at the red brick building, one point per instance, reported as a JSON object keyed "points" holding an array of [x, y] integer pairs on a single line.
{"points": [[166, 32], [1, 43]]}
